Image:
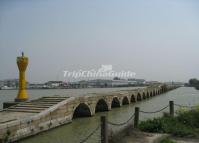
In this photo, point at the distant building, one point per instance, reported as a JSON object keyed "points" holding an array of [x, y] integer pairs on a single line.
{"points": [[175, 83], [54, 84], [78, 84], [37, 86], [100, 83], [137, 82], [74, 85], [119, 82], [116, 82], [152, 82], [132, 82], [10, 83], [83, 84], [1, 83]]}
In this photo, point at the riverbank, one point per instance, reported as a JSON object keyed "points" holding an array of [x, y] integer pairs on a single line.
{"points": [[184, 124], [136, 136], [183, 128]]}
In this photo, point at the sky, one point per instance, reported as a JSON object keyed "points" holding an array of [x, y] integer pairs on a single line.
{"points": [[158, 40]]}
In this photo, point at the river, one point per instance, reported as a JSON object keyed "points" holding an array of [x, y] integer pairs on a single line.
{"points": [[81, 127]]}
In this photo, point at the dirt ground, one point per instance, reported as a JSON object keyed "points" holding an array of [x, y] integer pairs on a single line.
{"points": [[135, 136], [185, 140]]}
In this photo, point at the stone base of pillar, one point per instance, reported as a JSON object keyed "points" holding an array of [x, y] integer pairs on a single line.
{"points": [[20, 100], [8, 104]]}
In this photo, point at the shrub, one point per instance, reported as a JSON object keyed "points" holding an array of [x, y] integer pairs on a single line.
{"points": [[190, 118], [154, 125], [178, 129], [167, 140], [182, 110], [166, 125]]}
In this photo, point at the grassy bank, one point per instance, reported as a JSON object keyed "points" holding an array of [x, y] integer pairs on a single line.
{"points": [[185, 124], [167, 140]]}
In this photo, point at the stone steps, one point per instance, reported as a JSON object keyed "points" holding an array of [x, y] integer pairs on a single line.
{"points": [[43, 104], [29, 111], [33, 105], [22, 107], [54, 97], [51, 100], [25, 108], [36, 106]]}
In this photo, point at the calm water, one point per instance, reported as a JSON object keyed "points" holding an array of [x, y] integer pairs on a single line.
{"points": [[81, 127]]}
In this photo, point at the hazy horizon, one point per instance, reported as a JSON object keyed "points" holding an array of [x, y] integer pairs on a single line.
{"points": [[158, 40]]}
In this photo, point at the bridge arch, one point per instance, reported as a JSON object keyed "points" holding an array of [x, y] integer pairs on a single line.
{"points": [[82, 110], [125, 100], [143, 95], [147, 95], [133, 98], [115, 102], [151, 94], [162, 89], [154, 93], [139, 98], [101, 106]]}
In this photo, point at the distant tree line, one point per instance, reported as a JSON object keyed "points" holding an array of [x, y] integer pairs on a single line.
{"points": [[194, 83]]}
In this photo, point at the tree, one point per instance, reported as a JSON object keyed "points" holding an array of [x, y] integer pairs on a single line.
{"points": [[193, 82]]}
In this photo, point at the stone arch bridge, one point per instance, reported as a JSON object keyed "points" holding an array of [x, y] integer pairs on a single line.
{"points": [[29, 118]]}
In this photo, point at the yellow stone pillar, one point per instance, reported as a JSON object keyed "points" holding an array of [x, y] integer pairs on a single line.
{"points": [[22, 63]]}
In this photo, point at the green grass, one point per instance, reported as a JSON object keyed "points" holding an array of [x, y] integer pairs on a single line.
{"points": [[167, 140], [185, 124]]}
